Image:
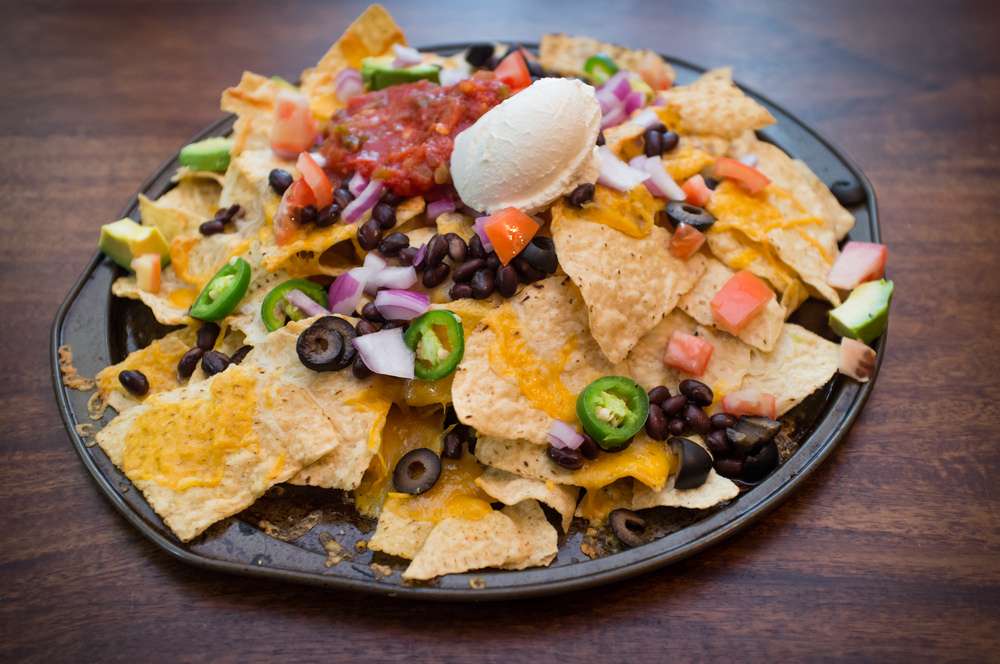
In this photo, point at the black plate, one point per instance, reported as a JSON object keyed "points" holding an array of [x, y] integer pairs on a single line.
{"points": [[102, 329]]}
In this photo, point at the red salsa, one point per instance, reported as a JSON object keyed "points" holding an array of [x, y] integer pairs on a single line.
{"points": [[404, 133]]}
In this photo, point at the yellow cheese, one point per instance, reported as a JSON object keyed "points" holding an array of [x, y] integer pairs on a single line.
{"points": [[632, 212], [455, 495], [645, 459]]}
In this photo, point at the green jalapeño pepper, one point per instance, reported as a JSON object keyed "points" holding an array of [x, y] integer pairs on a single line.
{"points": [[223, 292], [600, 68], [275, 311], [612, 410], [438, 341]]}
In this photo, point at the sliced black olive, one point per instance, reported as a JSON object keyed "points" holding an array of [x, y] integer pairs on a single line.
{"points": [[695, 462], [479, 54], [628, 527], [692, 215], [759, 465], [348, 332], [320, 346], [540, 254], [749, 432], [417, 471]]}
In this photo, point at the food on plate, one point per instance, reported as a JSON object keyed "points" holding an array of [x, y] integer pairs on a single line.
{"points": [[483, 296]]}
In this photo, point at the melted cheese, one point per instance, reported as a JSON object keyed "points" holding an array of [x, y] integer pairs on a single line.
{"points": [[186, 444], [455, 495], [632, 212], [182, 298], [685, 161], [539, 381], [376, 397], [157, 361], [645, 459], [598, 503]]}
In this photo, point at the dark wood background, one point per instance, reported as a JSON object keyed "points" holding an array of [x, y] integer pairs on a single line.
{"points": [[891, 552]]}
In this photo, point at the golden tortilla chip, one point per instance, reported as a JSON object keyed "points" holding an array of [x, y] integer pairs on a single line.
{"points": [[457, 223], [628, 284], [157, 361], [184, 173], [566, 55], [526, 362], [169, 305], [511, 489], [399, 535], [716, 490], [714, 106], [183, 208], [248, 318], [371, 34], [761, 333], [739, 252]]}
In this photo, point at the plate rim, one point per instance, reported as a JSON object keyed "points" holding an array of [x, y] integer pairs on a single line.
{"points": [[606, 569]]}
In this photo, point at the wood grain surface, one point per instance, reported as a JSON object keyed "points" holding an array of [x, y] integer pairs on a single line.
{"points": [[892, 551]]}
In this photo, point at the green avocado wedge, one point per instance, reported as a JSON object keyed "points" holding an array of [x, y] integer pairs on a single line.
{"points": [[124, 240], [211, 154], [865, 313], [378, 73]]}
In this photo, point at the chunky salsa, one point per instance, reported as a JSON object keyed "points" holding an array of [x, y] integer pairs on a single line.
{"points": [[403, 134]]}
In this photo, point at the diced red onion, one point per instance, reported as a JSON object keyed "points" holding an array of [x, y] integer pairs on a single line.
{"points": [[563, 436], [385, 352], [421, 254], [348, 84], [607, 99], [365, 201], [480, 228], [373, 265], [750, 160], [634, 101], [618, 84], [638, 162], [346, 289], [405, 56], [439, 207], [616, 174], [395, 304], [394, 277], [374, 262], [614, 117], [648, 118], [304, 303], [660, 183], [357, 184]]}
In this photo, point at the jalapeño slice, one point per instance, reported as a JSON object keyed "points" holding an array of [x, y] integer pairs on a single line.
{"points": [[600, 67], [223, 291], [612, 410], [438, 341], [275, 312]]}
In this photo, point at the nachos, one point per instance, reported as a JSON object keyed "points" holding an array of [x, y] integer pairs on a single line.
{"points": [[484, 294]]}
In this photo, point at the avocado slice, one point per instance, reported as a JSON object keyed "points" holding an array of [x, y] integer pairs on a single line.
{"points": [[865, 313], [378, 73], [211, 154], [124, 240]]}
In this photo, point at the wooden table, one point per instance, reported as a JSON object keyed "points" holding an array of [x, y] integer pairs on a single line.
{"points": [[893, 549]]}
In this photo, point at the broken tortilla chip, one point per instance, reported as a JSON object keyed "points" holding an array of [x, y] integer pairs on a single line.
{"points": [[715, 491], [157, 361], [511, 489], [713, 105], [566, 55]]}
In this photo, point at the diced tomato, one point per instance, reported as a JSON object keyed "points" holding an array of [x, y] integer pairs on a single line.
{"points": [[696, 190], [685, 241], [747, 177], [688, 353], [510, 231], [147, 270], [513, 71], [316, 178], [654, 72], [296, 197], [294, 129], [742, 298], [858, 262], [750, 402], [857, 359]]}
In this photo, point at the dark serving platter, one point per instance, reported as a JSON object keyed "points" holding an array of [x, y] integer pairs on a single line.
{"points": [[309, 536]]}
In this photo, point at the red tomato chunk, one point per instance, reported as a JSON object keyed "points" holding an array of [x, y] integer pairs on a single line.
{"points": [[688, 353]]}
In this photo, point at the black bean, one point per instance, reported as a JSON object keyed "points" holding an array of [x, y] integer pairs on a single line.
{"points": [[457, 248], [668, 141], [240, 354], [673, 405], [476, 249], [360, 369], [722, 421], [697, 392], [729, 467], [308, 215], [468, 269], [507, 281], [328, 215], [391, 199], [600, 138], [365, 327], [134, 381], [234, 211], [460, 291], [385, 215], [407, 254], [717, 443], [656, 423], [659, 394], [211, 227], [588, 448], [697, 419], [393, 324], [208, 333], [280, 180], [583, 193], [453, 444], [188, 362], [653, 143], [213, 362], [435, 276], [676, 426], [471, 440], [492, 261], [371, 312], [342, 196], [565, 457], [483, 284], [759, 465], [436, 251], [392, 243], [527, 273], [369, 235]]}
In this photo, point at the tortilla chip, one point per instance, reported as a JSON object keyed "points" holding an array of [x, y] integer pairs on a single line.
{"points": [[371, 34], [761, 333], [510, 489], [646, 460], [729, 363], [184, 173], [398, 535], [526, 362], [457, 223], [597, 504], [207, 450], [539, 540], [183, 208], [713, 105], [247, 318], [739, 252], [716, 490], [169, 305], [566, 55], [800, 364], [627, 283], [157, 361]]}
